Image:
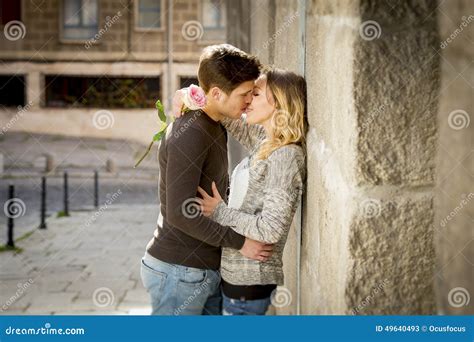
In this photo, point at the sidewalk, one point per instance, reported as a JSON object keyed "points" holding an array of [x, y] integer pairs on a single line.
{"points": [[88, 263], [23, 151]]}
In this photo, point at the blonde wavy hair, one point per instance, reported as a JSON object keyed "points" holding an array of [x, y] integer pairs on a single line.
{"points": [[289, 121]]}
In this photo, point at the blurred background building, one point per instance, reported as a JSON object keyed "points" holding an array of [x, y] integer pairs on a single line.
{"points": [[66, 60]]}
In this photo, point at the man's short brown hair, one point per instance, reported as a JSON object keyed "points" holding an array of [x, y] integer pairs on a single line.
{"points": [[226, 67]]}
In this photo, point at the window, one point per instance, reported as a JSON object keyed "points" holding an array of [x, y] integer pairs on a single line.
{"points": [[10, 10], [102, 92], [80, 19], [214, 20], [12, 90], [213, 14], [149, 14], [186, 81]]}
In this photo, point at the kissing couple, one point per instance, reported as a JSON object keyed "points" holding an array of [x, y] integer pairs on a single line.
{"points": [[217, 252]]}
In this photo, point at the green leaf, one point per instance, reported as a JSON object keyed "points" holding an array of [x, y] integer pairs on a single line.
{"points": [[161, 111], [161, 132], [163, 127], [157, 136]]}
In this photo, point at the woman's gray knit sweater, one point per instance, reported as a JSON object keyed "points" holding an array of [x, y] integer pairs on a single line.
{"points": [[274, 189]]}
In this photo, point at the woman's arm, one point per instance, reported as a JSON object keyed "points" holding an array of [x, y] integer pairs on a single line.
{"points": [[247, 135], [281, 194]]}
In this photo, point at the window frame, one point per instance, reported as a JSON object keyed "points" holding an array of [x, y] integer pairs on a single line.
{"points": [[136, 13], [180, 76], [24, 81], [46, 105], [204, 40], [65, 40], [212, 28]]}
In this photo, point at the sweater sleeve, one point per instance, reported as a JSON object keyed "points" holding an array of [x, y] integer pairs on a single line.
{"points": [[186, 156], [281, 194], [249, 136]]}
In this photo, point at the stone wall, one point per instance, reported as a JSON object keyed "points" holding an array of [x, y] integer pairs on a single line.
{"points": [[367, 232]]}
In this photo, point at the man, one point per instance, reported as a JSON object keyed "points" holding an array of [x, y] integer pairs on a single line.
{"points": [[180, 266]]}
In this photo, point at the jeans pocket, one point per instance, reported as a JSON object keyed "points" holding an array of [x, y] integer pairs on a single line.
{"points": [[153, 280], [193, 276], [193, 291]]}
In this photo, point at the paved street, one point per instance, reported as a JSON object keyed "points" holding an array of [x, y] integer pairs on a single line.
{"points": [[88, 263], [79, 157]]}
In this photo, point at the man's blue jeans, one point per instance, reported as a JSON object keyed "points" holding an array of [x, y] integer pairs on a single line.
{"points": [[245, 307], [181, 290]]}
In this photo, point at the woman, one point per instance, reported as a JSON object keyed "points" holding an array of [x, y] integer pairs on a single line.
{"points": [[265, 189]]}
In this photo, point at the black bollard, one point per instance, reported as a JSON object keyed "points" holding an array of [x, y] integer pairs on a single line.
{"points": [[66, 196], [10, 224], [96, 189], [43, 203]]}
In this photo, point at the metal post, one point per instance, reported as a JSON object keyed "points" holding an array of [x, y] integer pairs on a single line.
{"points": [[66, 196], [43, 203], [96, 189]]}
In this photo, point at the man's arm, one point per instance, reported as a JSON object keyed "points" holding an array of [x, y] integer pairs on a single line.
{"points": [[186, 154]]}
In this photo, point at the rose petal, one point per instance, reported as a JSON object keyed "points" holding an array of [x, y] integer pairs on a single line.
{"points": [[177, 103]]}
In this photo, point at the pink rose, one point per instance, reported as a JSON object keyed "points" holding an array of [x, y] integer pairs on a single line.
{"points": [[178, 103], [194, 98], [190, 98]]}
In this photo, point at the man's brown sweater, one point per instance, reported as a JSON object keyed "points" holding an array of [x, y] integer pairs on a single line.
{"points": [[193, 153]]}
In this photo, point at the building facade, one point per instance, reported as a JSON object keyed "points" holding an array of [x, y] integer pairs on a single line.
{"points": [[96, 67]]}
